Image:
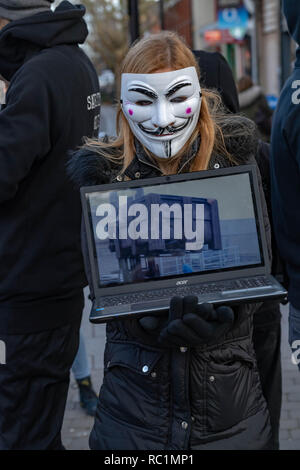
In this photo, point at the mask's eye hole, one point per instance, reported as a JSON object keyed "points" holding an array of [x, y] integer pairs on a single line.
{"points": [[143, 103], [178, 99]]}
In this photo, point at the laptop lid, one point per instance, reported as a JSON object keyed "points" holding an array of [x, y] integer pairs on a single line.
{"points": [[175, 230]]}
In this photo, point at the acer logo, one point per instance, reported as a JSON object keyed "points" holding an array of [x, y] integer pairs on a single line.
{"points": [[181, 283]]}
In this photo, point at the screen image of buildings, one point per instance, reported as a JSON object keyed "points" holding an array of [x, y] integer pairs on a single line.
{"points": [[230, 232], [240, 247]]}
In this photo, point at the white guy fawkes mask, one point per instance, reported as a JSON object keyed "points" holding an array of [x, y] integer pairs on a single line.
{"points": [[162, 109]]}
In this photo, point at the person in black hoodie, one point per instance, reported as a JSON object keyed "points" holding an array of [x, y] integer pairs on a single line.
{"points": [[216, 74], [53, 100], [285, 177]]}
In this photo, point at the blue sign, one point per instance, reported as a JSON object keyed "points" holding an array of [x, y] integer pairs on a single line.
{"points": [[272, 101], [229, 18]]}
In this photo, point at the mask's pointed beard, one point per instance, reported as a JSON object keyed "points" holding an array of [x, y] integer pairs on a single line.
{"points": [[168, 148]]}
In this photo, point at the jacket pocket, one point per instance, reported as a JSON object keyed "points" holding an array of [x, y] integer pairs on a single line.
{"points": [[132, 356], [231, 390], [131, 387]]}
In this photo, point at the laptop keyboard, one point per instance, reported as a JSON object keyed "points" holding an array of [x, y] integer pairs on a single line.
{"points": [[198, 289]]}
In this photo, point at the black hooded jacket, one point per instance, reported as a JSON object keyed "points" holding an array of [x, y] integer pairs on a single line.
{"points": [[52, 102], [203, 398], [285, 165]]}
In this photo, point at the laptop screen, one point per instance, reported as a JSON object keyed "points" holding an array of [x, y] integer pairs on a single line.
{"points": [[174, 229]]}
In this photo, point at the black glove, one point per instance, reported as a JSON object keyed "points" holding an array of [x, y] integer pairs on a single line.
{"points": [[148, 328], [190, 324]]}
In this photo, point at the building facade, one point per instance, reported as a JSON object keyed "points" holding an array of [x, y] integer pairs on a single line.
{"points": [[260, 47], [269, 45], [210, 32], [178, 16]]}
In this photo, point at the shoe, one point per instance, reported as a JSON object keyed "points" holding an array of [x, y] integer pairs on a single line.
{"points": [[88, 398]]}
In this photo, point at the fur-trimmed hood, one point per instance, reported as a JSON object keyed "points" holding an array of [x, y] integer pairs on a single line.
{"points": [[87, 168], [240, 137]]}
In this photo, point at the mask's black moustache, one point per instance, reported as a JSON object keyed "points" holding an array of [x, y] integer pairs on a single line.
{"points": [[161, 130]]}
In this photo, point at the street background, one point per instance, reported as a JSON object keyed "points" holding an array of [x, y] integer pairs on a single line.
{"points": [[251, 34]]}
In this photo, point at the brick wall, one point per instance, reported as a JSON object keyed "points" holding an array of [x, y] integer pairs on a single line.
{"points": [[178, 17]]}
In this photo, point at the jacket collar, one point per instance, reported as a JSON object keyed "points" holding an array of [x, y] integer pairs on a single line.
{"points": [[218, 161], [143, 167]]}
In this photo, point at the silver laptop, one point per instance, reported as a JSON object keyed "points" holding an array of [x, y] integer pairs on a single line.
{"points": [[199, 233]]}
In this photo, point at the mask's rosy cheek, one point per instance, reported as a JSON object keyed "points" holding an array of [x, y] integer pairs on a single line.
{"points": [[137, 113], [187, 108]]}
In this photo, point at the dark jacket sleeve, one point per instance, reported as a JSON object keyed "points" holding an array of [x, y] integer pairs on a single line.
{"points": [[87, 266], [267, 223], [24, 129], [86, 168]]}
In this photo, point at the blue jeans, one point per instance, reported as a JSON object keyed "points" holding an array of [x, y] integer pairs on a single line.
{"points": [[80, 367]]}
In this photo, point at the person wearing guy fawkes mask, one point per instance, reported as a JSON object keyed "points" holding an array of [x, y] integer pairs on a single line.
{"points": [[188, 380], [52, 101]]}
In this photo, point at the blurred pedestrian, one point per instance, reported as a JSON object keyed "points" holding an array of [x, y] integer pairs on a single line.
{"points": [[51, 102], [285, 176], [216, 74], [186, 381], [82, 373], [254, 105]]}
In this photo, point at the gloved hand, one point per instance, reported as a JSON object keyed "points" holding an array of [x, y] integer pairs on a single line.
{"points": [[153, 325], [147, 328], [189, 324]]}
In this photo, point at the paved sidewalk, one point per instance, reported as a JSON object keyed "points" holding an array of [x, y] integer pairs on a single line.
{"points": [[290, 415], [77, 425]]}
